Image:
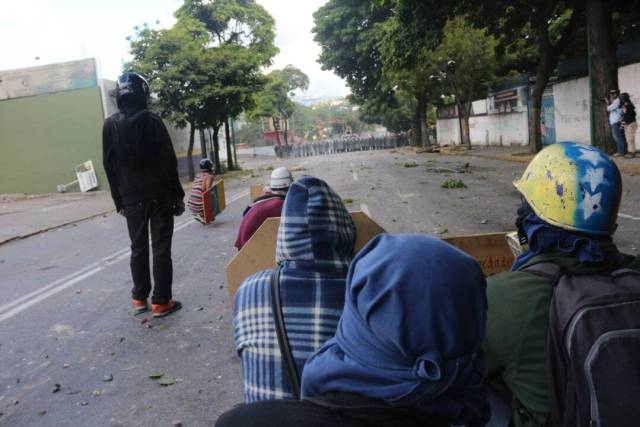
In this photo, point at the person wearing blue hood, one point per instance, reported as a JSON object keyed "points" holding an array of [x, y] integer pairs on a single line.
{"points": [[407, 350], [315, 245]]}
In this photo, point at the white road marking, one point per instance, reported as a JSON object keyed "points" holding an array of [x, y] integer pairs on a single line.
{"points": [[364, 208], [24, 302], [634, 218], [355, 177], [50, 292], [238, 196]]}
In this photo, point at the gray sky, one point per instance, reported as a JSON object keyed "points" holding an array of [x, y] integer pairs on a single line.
{"points": [[64, 30]]}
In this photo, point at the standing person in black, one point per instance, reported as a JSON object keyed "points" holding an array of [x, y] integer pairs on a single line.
{"points": [[141, 166]]}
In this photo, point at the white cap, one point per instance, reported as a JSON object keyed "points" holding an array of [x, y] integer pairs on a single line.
{"points": [[281, 179]]}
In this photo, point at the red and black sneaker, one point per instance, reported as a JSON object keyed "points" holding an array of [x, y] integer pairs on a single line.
{"points": [[161, 310]]}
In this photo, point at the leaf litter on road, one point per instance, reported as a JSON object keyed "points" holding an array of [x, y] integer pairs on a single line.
{"points": [[453, 184], [166, 381]]}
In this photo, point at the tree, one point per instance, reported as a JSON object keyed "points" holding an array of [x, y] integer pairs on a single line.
{"points": [[241, 42], [294, 79], [274, 100], [411, 34], [549, 25], [350, 34], [603, 69], [175, 63], [397, 116], [468, 56]]}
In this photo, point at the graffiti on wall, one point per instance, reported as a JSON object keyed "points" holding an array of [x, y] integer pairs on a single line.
{"points": [[48, 79]]}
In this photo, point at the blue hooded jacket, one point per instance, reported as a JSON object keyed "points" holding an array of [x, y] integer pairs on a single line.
{"points": [[410, 333], [315, 245]]}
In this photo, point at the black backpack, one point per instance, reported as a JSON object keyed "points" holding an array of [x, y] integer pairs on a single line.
{"points": [[593, 347]]}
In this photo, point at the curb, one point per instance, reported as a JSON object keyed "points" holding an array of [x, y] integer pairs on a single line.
{"points": [[632, 170], [54, 227], [186, 186]]}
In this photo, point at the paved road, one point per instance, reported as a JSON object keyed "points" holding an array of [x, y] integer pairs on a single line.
{"points": [[72, 354]]}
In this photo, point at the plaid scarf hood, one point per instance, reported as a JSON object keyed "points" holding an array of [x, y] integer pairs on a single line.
{"points": [[315, 246], [316, 231]]}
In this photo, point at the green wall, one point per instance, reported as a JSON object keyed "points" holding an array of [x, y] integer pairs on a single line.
{"points": [[42, 139]]}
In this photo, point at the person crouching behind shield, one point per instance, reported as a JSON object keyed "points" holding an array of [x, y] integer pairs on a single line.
{"points": [[200, 203]]}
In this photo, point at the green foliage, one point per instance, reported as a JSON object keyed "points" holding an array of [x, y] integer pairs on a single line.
{"points": [[396, 114], [474, 66], [235, 22], [451, 183], [349, 34], [274, 100], [206, 68]]}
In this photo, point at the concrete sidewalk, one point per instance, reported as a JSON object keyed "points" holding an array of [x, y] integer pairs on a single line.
{"points": [[23, 216], [521, 154]]}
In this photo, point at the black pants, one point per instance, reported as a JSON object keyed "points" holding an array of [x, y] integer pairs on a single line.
{"points": [[157, 215]]}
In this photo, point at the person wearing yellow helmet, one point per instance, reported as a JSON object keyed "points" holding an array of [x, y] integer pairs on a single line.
{"points": [[570, 197]]}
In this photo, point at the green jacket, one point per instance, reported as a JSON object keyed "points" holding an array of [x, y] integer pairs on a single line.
{"points": [[517, 323]]}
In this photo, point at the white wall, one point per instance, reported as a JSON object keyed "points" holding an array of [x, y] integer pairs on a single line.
{"points": [[496, 129], [571, 102], [510, 129], [448, 131], [629, 81]]}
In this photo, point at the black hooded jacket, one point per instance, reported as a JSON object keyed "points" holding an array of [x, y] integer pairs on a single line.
{"points": [[138, 158]]}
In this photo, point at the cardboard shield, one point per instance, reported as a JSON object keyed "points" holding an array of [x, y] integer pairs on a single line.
{"points": [[259, 253], [255, 191], [491, 250], [208, 206], [220, 197]]}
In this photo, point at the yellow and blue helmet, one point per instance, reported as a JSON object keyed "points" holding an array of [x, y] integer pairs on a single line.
{"points": [[573, 186]]}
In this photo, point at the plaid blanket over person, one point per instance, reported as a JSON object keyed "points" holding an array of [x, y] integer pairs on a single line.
{"points": [[315, 245]]}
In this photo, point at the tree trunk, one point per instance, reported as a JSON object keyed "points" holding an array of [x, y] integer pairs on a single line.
{"points": [[603, 70], [422, 117], [277, 129], [464, 110], [192, 131], [417, 125], [233, 139], [227, 136], [216, 148], [286, 131], [203, 144], [548, 58]]}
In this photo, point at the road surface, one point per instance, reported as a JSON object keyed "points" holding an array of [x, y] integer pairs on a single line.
{"points": [[72, 353]]}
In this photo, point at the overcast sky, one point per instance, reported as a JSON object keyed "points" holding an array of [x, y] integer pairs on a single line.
{"points": [[64, 30]]}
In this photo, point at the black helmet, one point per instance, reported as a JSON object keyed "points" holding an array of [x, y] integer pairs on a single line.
{"points": [[206, 164], [132, 88]]}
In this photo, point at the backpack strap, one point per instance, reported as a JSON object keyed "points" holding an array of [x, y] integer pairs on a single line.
{"points": [[281, 332], [266, 197], [547, 270], [624, 272]]}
